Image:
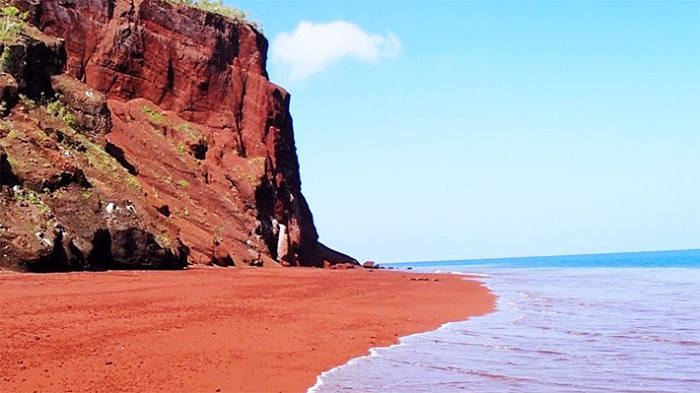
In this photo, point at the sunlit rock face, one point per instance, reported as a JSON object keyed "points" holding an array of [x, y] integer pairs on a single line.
{"points": [[166, 144]]}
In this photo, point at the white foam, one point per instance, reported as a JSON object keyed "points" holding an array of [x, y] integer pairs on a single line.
{"points": [[472, 274], [374, 352]]}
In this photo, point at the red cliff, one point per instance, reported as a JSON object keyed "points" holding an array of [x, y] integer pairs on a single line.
{"points": [[147, 134]]}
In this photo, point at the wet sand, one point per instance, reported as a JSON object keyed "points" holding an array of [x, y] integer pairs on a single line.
{"points": [[211, 329]]}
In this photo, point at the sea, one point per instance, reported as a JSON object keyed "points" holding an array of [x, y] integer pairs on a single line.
{"points": [[624, 322]]}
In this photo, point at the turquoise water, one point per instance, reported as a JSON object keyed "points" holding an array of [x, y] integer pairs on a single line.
{"points": [[587, 323], [676, 258]]}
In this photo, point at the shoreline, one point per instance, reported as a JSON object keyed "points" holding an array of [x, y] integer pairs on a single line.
{"points": [[372, 351], [203, 329]]}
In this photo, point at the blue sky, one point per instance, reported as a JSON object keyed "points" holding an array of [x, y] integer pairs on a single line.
{"points": [[456, 130]]}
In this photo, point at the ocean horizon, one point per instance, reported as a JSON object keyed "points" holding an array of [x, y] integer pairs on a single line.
{"points": [[622, 322], [688, 257]]}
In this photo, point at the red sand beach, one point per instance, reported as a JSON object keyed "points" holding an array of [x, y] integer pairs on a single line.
{"points": [[211, 329]]}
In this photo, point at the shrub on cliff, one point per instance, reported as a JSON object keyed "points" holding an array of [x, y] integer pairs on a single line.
{"points": [[58, 110], [11, 24], [218, 7]]}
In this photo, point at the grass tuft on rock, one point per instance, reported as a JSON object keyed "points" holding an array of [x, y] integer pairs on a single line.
{"points": [[58, 110], [153, 115]]}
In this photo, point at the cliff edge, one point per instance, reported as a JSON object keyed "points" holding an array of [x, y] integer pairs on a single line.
{"points": [[145, 134]]}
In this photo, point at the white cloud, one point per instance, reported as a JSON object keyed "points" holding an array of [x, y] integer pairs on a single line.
{"points": [[314, 46]]}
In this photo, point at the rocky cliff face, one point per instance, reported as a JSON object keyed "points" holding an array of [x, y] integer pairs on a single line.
{"points": [[165, 144]]}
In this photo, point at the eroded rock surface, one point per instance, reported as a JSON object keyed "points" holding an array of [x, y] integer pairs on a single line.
{"points": [[166, 144]]}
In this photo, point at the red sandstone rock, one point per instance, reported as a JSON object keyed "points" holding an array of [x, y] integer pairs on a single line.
{"points": [[183, 100]]}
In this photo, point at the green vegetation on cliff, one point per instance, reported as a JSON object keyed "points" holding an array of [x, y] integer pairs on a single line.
{"points": [[218, 7], [59, 110], [11, 24]]}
